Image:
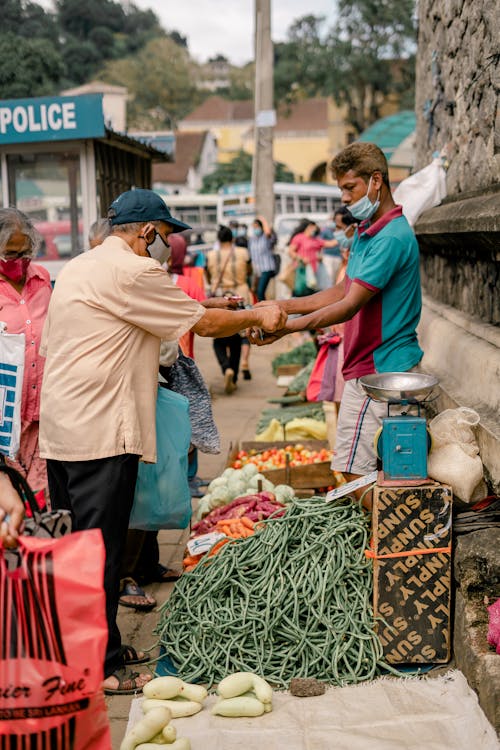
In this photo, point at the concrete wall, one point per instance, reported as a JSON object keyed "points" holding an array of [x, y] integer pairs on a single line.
{"points": [[457, 105], [458, 84]]}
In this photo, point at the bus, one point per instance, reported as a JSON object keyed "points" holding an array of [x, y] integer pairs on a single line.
{"points": [[305, 199]]}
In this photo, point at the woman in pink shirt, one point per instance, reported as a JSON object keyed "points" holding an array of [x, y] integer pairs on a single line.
{"points": [[307, 245], [25, 291]]}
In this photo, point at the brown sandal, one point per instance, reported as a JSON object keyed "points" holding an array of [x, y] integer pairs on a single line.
{"points": [[127, 682]]}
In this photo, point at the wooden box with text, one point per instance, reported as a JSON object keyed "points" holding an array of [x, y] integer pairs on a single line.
{"points": [[411, 553]]}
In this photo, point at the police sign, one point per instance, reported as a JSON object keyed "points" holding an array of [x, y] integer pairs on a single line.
{"points": [[51, 119]]}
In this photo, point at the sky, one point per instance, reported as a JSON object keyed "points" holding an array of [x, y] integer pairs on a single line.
{"points": [[227, 26]]}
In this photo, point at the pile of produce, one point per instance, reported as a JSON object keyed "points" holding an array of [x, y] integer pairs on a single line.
{"points": [[238, 483], [299, 355], [276, 458], [300, 381], [243, 694], [304, 428], [293, 600], [254, 507], [311, 410]]}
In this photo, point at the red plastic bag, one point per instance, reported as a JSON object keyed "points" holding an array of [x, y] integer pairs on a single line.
{"points": [[321, 385], [494, 625], [53, 637]]}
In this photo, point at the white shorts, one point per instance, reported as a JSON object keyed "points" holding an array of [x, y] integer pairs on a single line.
{"points": [[359, 419]]}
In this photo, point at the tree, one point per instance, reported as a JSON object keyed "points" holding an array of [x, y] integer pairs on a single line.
{"points": [[371, 48], [161, 83], [239, 170], [29, 66], [301, 63]]}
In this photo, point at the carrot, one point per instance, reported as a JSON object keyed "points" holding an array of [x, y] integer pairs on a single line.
{"points": [[247, 522]]}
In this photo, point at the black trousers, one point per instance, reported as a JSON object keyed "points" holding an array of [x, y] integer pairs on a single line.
{"points": [[100, 494], [231, 344]]}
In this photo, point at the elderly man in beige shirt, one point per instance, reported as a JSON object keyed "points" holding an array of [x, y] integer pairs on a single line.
{"points": [[110, 308]]}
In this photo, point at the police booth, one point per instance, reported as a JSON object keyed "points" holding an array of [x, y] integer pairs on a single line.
{"points": [[62, 165]]}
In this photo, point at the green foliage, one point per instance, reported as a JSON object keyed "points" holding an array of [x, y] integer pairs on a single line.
{"points": [[160, 80], [367, 55], [28, 66], [239, 170]]}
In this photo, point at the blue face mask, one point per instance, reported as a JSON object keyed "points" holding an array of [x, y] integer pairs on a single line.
{"points": [[241, 232], [364, 208], [339, 235], [257, 231]]}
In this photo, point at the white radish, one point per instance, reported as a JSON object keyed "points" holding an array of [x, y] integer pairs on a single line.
{"points": [[236, 707], [235, 684], [193, 692], [163, 687], [181, 744], [147, 728], [169, 733], [263, 689], [178, 707]]}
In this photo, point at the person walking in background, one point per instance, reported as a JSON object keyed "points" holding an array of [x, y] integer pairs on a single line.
{"points": [[307, 248], [25, 291], [227, 271], [261, 247], [332, 256]]}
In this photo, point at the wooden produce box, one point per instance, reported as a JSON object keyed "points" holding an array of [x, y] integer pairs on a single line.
{"points": [[411, 592], [288, 370], [310, 476]]}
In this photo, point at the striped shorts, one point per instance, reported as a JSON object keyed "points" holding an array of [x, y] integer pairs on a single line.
{"points": [[359, 419]]}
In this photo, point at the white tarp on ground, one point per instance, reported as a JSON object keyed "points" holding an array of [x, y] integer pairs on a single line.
{"points": [[439, 713]]}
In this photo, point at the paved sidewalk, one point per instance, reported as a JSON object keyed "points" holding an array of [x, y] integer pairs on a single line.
{"points": [[236, 417]]}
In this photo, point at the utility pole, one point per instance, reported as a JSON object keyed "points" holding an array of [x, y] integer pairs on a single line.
{"points": [[265, 116]]}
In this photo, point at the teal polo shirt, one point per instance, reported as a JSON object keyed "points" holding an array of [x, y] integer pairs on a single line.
{"points": [[382, 336]]}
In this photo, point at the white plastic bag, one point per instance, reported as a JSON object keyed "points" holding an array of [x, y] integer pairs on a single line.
{"points": [[311, 280], [12, 349], [422, 190], [454, 458]]}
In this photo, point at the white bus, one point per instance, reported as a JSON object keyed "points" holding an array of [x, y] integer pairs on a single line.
{"points": [[315, 200]]}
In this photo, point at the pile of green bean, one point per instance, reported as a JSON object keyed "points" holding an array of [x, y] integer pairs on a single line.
{"points": [[291, 601]]}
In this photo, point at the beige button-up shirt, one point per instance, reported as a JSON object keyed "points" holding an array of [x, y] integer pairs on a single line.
{"points": [[108, 312]]}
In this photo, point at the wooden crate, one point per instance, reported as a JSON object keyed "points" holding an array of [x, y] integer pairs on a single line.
{"points": [[288, 370], [411, 592], [310, 476]]}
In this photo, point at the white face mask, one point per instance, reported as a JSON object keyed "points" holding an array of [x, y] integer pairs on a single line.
{"points": [[159, 250], [364, 208]]}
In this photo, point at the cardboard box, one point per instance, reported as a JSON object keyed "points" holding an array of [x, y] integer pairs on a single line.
{"points": [[310, 476], [412, 590]]}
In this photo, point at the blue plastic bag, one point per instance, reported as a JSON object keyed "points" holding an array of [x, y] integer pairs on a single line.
{"points": [[162, 495]]}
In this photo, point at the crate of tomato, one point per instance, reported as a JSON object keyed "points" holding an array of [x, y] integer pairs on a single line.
{"points": [[302, 465]]}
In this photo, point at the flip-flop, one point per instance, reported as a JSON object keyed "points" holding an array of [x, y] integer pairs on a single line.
{"points": [[130, 589], [130, 651], [164, 575], [127, 684]]}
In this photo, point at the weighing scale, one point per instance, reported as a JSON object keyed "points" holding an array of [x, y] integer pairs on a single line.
{"points": [[403, 441]]}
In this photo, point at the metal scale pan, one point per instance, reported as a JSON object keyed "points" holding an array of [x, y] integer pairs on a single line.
{"points": [[400, 387]]}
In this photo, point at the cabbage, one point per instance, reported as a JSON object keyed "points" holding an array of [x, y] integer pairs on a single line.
{"points": [[284, 493], [227, 473], [249, 470], [236, 488], [220, 496], [254, 481], [203, 507], [217, 482]]}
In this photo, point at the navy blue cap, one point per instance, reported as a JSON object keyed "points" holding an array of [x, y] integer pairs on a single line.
{"points": [[141, 205]]}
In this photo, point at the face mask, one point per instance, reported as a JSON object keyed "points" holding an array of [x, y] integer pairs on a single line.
{"points": [[339, 235], [159, 250], [257, 231], [241, 233], [364, 208], [346, 242], [14, 269]]}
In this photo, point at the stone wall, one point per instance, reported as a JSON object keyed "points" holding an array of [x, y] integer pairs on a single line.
{"points": [[458, 87]]}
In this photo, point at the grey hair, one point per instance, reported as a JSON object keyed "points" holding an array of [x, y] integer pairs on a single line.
{"points": [[99, 230], [12, 220], [135, 226]]}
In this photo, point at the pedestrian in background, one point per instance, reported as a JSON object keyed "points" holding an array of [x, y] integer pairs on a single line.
{"points": [[261, 245], [25, 291], [227, 271]]}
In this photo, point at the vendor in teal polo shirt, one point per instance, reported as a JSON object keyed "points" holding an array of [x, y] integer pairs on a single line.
{"points": [[379, 300]]}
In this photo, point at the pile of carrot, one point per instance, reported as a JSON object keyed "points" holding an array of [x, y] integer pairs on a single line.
{"points": [[236, 528]]}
